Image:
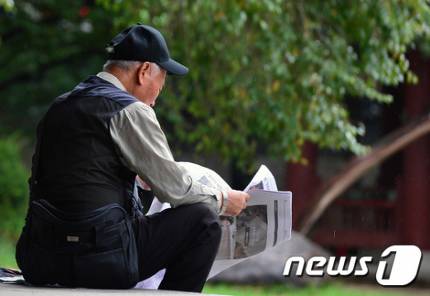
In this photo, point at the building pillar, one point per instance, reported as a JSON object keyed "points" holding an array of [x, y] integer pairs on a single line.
{"points": [[414, 212], [302, 180]]}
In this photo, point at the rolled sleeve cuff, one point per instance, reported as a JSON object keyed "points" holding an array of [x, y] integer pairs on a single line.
{"points": [[222, 200]]}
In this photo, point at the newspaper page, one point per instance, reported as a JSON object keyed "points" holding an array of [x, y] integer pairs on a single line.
{"points": [[265, 222]]}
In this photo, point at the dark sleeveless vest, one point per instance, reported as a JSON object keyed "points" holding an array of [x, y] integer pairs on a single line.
{"points": [[79, 167]]}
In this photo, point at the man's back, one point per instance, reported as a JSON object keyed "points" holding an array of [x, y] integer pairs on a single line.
{"points": [[79, 167]]}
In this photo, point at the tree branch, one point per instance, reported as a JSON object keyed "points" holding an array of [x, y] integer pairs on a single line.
{"points": [[358, 166]]}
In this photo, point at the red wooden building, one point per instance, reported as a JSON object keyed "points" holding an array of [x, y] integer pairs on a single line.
{"points": [[391, 203]]}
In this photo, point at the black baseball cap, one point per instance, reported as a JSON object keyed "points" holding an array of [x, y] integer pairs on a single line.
{"points": [[146, 44]]}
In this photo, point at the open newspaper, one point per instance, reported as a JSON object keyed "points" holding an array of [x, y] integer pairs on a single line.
{"points": [[264, 223]]}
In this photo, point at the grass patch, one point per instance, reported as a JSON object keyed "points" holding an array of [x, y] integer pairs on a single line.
{"points": [[7, 253], [329, 289]]}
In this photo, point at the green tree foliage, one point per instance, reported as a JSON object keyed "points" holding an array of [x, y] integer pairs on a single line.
{"points": [[13, 188], [265, 75], [46, 48]]}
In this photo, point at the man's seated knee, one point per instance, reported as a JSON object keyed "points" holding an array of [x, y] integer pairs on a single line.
{"points": [[203, 217]]}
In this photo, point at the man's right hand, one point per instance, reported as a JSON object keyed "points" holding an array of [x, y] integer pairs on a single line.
{"points": [[236, 202]]}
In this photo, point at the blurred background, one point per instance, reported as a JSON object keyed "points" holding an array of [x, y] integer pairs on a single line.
{"points": [[333, 96]]}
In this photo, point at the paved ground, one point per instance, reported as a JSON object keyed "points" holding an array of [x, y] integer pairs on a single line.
{"points": [[17, 290]]}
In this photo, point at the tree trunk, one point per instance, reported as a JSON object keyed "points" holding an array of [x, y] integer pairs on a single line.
{"points": [[358, 166]]}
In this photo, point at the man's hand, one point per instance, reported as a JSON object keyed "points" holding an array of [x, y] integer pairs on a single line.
{"points": [[236, 202]]}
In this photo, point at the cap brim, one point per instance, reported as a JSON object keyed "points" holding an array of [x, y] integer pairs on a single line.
{"points": [[173, 67]]}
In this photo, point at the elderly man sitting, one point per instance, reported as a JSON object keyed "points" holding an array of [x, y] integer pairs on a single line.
{"points": [[84, 227]]}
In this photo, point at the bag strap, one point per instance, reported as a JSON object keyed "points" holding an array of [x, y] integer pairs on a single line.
{"points": [[33, 181]]}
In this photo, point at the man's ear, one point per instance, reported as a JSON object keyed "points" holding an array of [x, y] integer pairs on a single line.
{"points": [[142, 71]]}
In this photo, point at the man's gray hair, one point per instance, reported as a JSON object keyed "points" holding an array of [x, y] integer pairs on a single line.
{"points": [[122, 64]]}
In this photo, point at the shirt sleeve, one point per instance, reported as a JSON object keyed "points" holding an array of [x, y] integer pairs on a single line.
{"points": [[144, 149]]}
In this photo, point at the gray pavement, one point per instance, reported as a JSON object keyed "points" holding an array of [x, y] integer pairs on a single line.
{"points": [[20, 290]]}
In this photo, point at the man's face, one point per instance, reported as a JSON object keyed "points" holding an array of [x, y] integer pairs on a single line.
{"points": [[151, 80]]}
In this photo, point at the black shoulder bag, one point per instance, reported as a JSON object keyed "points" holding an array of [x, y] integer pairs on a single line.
{"points": [[96, 249]]}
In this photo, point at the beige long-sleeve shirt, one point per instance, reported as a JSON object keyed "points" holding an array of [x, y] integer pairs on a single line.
{"points": [[144, 149]]}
